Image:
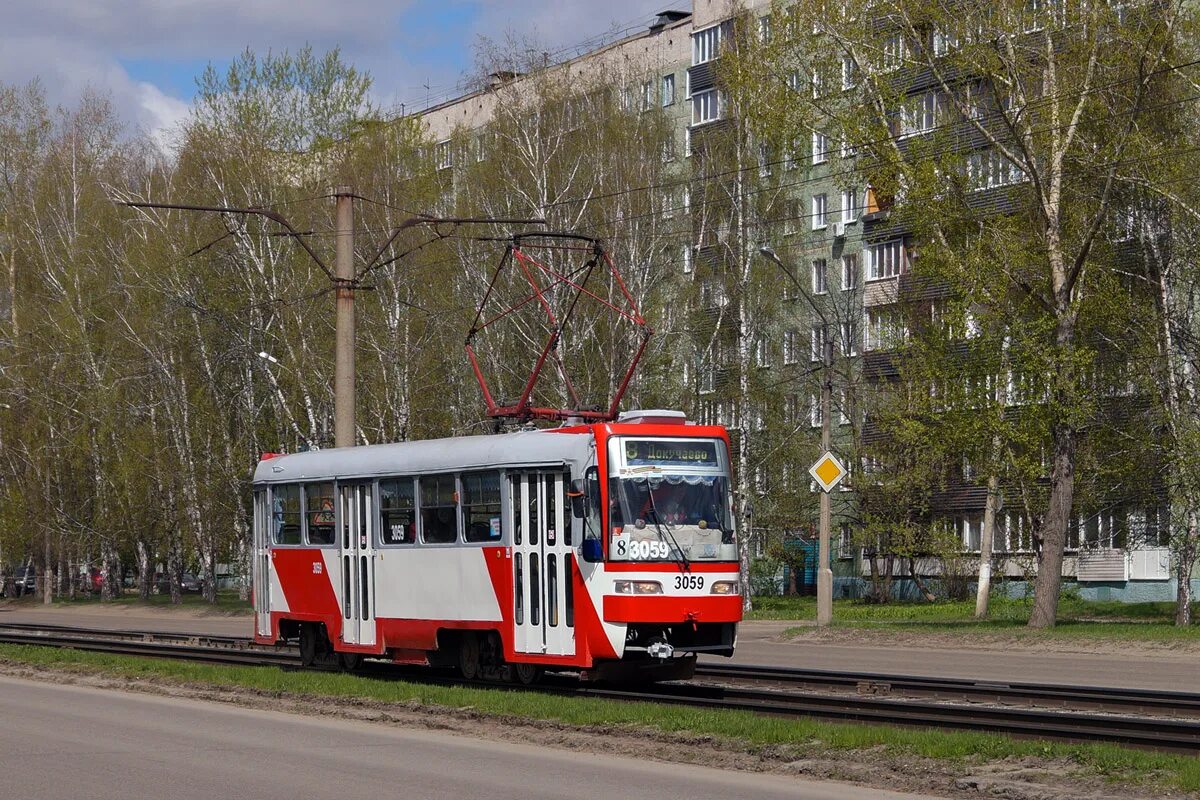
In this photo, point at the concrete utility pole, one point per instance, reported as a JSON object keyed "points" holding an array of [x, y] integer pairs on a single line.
{"points": [[824, 572], [344, 278], [343, 371]]}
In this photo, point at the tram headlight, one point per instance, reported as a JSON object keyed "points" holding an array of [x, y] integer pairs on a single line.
{"points": [[639, 587], [725, 587]]}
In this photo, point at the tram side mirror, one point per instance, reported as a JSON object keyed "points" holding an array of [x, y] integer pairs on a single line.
{"points": [[578, 499], [592, 550]]}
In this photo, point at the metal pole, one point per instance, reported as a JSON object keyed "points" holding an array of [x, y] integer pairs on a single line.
{"points": [[824, 573], [343, 374]]}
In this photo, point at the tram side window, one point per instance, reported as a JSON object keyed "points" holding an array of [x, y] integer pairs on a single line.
{"points": [[285, 514], [397, 511], [481, 506], [318, 512], [439, 513]]}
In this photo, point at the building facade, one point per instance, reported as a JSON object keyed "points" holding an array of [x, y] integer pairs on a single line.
{"points": [[771, 251]]}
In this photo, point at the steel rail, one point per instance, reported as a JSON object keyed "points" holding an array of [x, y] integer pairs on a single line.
{"points": [[1096, 698], [1159, 733]]}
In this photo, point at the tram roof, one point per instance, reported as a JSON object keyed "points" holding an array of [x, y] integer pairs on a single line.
{"points": [[526, 448]]}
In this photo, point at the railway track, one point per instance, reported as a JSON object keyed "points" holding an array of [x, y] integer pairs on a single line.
{"points": [[1082, 698], [1157, 720]]}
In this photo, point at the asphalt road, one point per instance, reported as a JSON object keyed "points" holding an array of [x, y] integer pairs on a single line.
{"points": [[65, 741], [758, 644]]}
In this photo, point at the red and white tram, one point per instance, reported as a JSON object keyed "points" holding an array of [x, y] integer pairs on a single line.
{"points": [[607, 548]]}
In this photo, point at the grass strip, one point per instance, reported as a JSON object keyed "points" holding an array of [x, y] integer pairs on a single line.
{"points": [[1077, 619], [743, 730]]}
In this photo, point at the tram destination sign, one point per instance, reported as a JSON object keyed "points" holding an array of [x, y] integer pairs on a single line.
{"points": [[646, 453]]}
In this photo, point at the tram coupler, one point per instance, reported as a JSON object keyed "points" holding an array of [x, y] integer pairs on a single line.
{"points": [[660, 650]]}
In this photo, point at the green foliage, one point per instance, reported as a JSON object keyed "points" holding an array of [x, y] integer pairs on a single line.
{"points": [[764, 574], [1023, 316]]}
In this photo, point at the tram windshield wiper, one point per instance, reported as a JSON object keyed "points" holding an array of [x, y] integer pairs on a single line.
{"points": [[665, 533]]}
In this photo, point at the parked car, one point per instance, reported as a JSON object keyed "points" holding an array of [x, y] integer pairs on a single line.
{"points": [[188, 584], [24, 581]]}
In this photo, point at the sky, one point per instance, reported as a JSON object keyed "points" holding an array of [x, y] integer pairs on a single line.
{"points": [[146, 54]]}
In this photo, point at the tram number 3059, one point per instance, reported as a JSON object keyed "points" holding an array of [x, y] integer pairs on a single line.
{"points": [[689, 581]]}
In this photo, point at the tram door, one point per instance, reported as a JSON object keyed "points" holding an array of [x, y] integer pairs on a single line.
{"points": [[261, 570], [543, 610], [357, 552]]}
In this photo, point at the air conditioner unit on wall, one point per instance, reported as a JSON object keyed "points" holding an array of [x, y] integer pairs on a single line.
{"points": [[839, 229]]}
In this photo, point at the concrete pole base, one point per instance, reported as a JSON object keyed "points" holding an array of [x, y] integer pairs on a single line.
{"points": [[824, 597]]}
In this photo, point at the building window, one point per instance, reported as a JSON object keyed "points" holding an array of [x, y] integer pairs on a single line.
{"points": [[814, 414], [687, 259], [849, 271], [885, 327], [844, 407], [648, 95], [819, 283], [970, 530], [791, 409], [818, 84], [764, 161], [791, 340], [849, 333], [708, 380], [885, 259], [762, 355], [818, 343], [820, 147], [849, 72], [439, 514], [764, 28], [668, 148], [706, 45], [893, 51], [712, 294], [851, 205], [445, 155], [919, 114], [845, 541], [706, 106], [944, 41], [668, 90], [819, 217], [987, 169]]}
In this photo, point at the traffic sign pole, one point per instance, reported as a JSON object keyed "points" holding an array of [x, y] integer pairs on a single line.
{"points": [[824, 573]]}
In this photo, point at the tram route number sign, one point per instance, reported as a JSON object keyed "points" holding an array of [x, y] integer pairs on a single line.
{"points": [[643, 453]]}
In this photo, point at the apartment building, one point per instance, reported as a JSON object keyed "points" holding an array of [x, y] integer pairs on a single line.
{"points": [[775, 250]]}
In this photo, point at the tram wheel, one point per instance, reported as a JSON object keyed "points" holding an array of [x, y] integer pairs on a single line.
{"points": [[468, 656], [526, 674], [308, 645], [350, 661]]}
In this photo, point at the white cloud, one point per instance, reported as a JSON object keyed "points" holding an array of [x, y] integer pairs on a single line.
{"points": [[163, 115], [72, 45]]}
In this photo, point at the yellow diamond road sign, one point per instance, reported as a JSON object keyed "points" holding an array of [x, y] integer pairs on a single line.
{"points": [[827, 472]]}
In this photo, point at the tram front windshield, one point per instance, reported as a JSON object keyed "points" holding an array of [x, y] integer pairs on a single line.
{"points": [[661, 514]]}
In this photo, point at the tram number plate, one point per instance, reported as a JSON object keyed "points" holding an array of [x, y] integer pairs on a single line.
{"points": [[689, 581], [642, 550]]}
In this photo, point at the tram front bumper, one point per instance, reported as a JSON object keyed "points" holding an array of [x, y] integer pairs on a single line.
{"points": [[672, 610]]}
